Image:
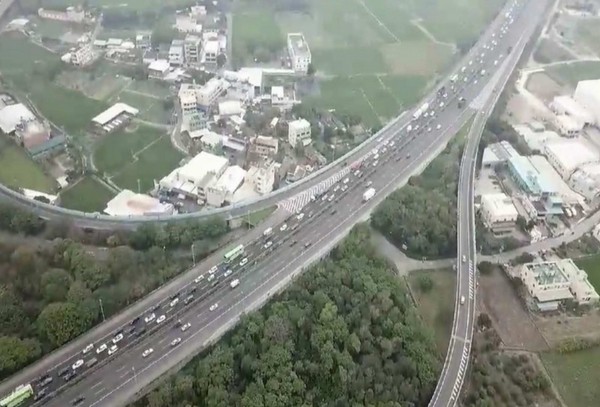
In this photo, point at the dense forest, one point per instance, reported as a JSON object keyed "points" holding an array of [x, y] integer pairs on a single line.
{"points": [[54, 290], [345, 334]]}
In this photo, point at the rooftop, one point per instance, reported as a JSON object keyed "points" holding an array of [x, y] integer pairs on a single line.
{"points": [[202, 165], [298, 124], [547, 273], [571, 153], [113, 112], [298, 44], [535, 181], [231, 179], [12, 115], [160, 65], [500, 205]]}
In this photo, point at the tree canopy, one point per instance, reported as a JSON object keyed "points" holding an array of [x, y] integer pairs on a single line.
{"points": [[345, 334]]}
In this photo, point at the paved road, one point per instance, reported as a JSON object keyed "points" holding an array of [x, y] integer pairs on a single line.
{"points": [[116, 379], [449, 386]]}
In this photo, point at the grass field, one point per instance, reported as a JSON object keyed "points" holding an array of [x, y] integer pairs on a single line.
{"points": [[22, 57], [575, 375], [570, 74], [436, 307], [588, 33], [591, 265], [87, 195], [19, 170], [155, 162], [254, 30], [151, 108]]}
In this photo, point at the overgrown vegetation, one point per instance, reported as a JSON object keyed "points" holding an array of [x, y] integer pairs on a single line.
{"points": [[345, 334]]}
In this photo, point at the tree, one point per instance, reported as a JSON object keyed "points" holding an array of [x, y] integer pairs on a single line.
{"points": [[311, 70], [55, 283], [221, 60], [485, 267], [484, 321], [425, 283], [60, 322], [16, 353]]}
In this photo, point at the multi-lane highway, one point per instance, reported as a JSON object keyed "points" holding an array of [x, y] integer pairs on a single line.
{"points": [[100, 221], [449, 386], [116, 378]]}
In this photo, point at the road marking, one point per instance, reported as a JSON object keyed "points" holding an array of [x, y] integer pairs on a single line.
{"points": [[96, 385], [124, 374], [120, 369], [99, 391]]}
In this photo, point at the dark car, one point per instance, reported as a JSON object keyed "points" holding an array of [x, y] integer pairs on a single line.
{"points": [[45, 380], [40, 395], [188, 299], [140, 332], [77, 400], [135, 321], [70, 375], [64, 371], [130, 330], [193, 290]]}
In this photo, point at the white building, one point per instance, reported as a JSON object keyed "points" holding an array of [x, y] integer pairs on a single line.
{"points": [[192, 49], [231, 108], [586, 181], [567, 125], [188, 99], [262, 177], [565, 156], [207, 137], [299, 52], [299, 132], [184, 23], [587, 94], [176, 53], [550, 283], [13, 115], [196, 176], [114, 117], [222, 191], [498, 212], [143, 40], [566, 105], [128, 203], [265, 146], [210, 48], [158, 69], [207, 95], [70, 15], [83, 55]]}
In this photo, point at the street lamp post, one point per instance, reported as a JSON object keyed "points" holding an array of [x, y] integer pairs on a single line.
{"points": [[101, 309], [193, 255]]}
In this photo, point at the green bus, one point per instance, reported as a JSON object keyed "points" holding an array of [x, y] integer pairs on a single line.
{"points": [[234, 253], [17, 397]]}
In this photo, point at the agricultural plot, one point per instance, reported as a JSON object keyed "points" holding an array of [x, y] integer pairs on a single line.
{"points": [[87, 195], [571, 73], [151, 108], [20, 171], [591, 265]]}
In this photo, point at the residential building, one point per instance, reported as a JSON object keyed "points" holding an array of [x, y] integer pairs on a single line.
{"points": [[207, 95], [553, 282], [176, 53], [207, 137], [265, 146], [83, 56], [192, 49], [222, 191], [231, 108], [194, 122], [185, 23], [585, 180], [587, 94], [70, 15], [194, 178], [299, 132], [498, 212], [210, 48], [568, 126], [127, 203], [188, 100], [158, 69], [262, 177], [566, 155], [143, 40], [299, 52]]}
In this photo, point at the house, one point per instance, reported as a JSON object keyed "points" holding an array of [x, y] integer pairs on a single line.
{"points": [[299, 52], [158, 69], [299, 132]]}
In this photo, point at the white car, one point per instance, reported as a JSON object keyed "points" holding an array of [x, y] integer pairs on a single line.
{"points": [[147, 352], [185, 327], [227, 273], [113, 349], [175, 341], [464, 258], [244, 262], [150, 317], [77, 364], [174, 302], [100, 349], [214, 306], [462, 300], [300, 216], [161, 319], [439, 126], [375, 163], [211, 277], [117, 338], [88, 348], [213, 270], [268, 244], [199, 278], [283, 228], [429, 129]]}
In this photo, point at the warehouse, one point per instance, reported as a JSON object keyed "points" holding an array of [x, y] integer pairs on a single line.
{"points": [[586, 181], [128, 203], [566, 156], [115, 117], [566, 105], [222, 191], [587, 94], [569, 196], [498, 212]]}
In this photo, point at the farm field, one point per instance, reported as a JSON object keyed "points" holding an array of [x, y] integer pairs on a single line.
{"points": [[19, 170], [87, 195], [151, 108], [591, 265], [571, 73], [436, 306], [359, 47], [574, 375], [158, 160]]}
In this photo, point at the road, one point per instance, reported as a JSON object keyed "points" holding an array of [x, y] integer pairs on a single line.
{"points": [[306, 186], [116, 379], [447, 392]]}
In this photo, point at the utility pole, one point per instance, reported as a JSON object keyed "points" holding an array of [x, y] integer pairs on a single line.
{"points": [[193, 255], [101, 309]]}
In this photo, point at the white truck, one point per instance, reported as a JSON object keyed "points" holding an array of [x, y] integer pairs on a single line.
{"points": [[235, 283], [454, 78], [369, 193], [268, 232], [420, 111]]}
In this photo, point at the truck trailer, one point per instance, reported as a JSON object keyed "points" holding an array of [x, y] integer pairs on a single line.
{"points": [[369, 193]]}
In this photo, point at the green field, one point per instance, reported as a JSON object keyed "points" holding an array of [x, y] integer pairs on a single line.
{"points": [[574, 375], [22, 57], [254, 30], [591, 265], [116, 150], [19, 170], [571, 73], [87, 195], [151, 164], [151, 109], [588, 33], [436, 307]]}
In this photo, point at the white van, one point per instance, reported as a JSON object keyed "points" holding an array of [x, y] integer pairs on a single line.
{"points": [[235, 283], [268, 232]]}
